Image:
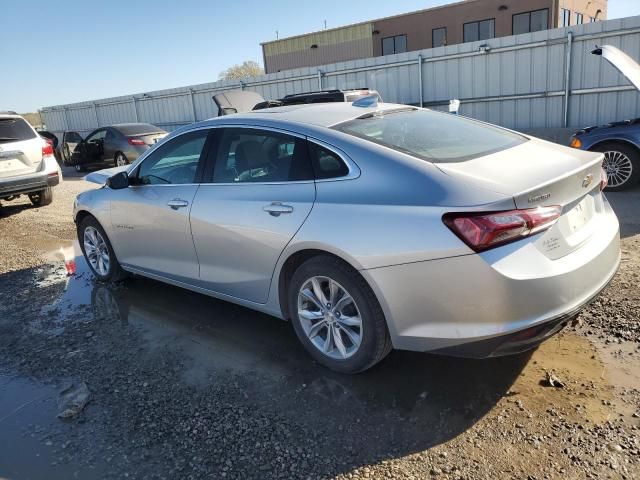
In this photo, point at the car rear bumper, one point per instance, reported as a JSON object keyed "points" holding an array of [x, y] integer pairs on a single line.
{"points": [[495, 303], [49, 176]]}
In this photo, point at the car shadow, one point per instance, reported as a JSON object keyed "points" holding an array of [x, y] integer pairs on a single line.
{"points": [[15, 206], [406, 404]]}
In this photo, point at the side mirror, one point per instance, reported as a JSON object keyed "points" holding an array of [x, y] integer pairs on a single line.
{"points": [[118, 181]]}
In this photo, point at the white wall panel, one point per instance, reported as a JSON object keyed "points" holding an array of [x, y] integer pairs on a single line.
{"points": [[489, 84]]}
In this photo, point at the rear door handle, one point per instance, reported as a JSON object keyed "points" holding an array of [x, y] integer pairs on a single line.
{"points": [[177, 203], [276, 209]]}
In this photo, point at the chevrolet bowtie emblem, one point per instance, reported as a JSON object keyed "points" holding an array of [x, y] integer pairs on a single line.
{"points": [[587, 181]]}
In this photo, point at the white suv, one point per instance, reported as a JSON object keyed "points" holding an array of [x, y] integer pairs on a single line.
{"points": [[27, 164]]}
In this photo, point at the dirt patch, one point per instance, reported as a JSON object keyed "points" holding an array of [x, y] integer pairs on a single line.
{"points": [[182, 385]]}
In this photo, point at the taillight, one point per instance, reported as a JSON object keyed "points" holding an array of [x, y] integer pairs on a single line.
{"points": [[604, 179], [47, 149], [135, 141], [482, 231]]}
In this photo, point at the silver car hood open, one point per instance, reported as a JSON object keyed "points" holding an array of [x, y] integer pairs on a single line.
{"points": [[100, 177], [623, 62]]}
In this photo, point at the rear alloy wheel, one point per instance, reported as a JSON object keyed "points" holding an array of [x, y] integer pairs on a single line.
{"points": [[120, 160], [330, 317], [622, 165], [98, 251], [42, 197], [336, 315]]}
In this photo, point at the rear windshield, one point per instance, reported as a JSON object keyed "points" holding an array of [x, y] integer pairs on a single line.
{"points": [[139, 129], [15, 129], [432, 136]]}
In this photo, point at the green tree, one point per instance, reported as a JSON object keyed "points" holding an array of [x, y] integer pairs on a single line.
{"points": [[246, 69]]}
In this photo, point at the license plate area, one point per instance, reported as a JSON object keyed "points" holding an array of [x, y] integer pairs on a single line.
{"points": [[580, 214]]}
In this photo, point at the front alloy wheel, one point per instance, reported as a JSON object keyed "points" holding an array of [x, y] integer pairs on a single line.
{"points": [[618, 167], [330, 317], [96, 250]]}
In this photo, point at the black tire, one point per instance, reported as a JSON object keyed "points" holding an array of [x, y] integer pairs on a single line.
{"points": [[42, 197], [115, 272], [115, 159], [631, 153], [375, 343]]}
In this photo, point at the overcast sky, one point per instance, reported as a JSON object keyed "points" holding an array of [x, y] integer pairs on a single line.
{"points": [[64, 51]]}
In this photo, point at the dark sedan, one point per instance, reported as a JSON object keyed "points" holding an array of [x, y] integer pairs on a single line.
{"points": [[115, 145], [619, 141]]}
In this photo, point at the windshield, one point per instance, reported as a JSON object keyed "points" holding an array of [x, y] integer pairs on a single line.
{"points": [[432, 136], [15, 129], [139, 129]]}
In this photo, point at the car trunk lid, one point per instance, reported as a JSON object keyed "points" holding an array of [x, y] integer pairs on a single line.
{"points": [[20, 158], [150, 139], [538, 173], [623, 62], [20, 148]]}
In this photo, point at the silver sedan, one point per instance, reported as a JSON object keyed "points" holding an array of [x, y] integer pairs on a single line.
{"points": [[368, 226]]}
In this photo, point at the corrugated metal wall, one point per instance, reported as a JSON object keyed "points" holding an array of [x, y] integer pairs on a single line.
{"points": [[518, 83]]}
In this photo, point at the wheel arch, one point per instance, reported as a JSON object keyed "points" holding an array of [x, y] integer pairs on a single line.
{"points": [[81, 215], [293, 261], [605, 141]]}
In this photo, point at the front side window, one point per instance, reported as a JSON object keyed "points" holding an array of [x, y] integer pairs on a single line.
{"points": [[396, 44], [72, 137], [482, 30], [175, 162], [439, 37], [252, 155], [566, 17], [432, 136]]}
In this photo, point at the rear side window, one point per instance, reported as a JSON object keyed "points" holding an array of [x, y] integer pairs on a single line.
{"points": [[433, 136], [254, 155], [15, 129], [326, 164]]}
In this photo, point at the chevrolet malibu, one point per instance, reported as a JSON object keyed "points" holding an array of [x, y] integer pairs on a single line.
{"points": [[369, 226]]}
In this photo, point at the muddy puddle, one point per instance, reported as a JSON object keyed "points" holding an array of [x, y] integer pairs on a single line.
{"points": [[29, 430], [213, 335]]}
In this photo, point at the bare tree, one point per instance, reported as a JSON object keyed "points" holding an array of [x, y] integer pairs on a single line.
{"points": [[248, 68]]}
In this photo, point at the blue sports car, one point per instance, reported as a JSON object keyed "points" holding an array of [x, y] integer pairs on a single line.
{"points": [[619, 141]]}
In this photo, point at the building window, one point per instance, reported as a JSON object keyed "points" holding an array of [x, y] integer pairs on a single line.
{"points": [[592, 19], [439, 37], [566, 17], [531, 21], [397, 44], [481, 30], [579, 19]]}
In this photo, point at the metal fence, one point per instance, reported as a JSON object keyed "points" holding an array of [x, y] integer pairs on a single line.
{"points": [[536, 80]]}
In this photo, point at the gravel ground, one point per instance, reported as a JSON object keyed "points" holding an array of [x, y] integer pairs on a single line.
{"points": [[182, 385]]}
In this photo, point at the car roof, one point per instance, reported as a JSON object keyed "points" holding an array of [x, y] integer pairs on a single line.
{"points": [[320, 114], [130, 124]]}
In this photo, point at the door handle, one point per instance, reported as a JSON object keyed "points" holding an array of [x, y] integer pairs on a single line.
{"points": [[275, 209], [177, 203]]}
